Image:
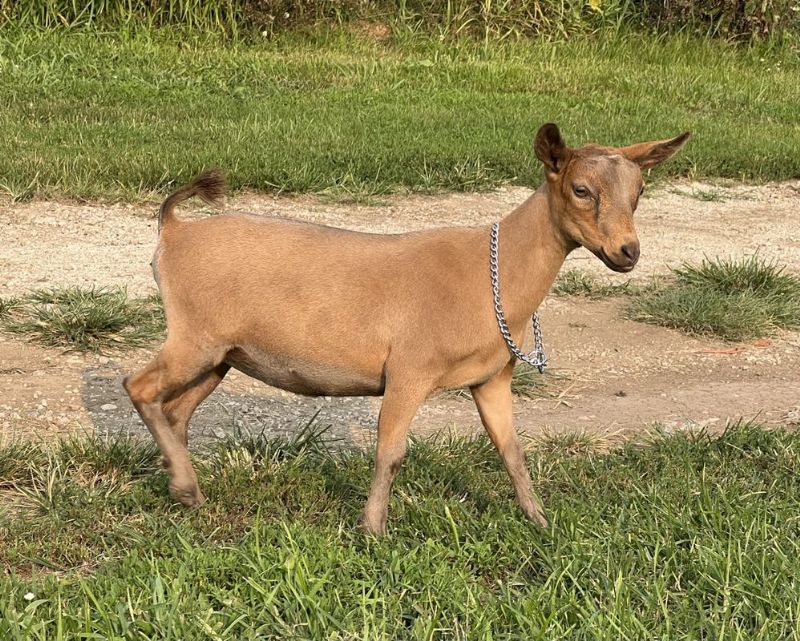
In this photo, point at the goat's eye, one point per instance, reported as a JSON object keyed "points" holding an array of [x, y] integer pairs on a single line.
{"points": [[580, 191]]}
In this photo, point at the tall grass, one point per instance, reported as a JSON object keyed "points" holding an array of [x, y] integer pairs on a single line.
{"points": [[512, 19], [53, 14], [487, 19]]}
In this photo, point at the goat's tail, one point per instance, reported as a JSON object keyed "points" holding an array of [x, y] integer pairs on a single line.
{"points": [[210, 186]]}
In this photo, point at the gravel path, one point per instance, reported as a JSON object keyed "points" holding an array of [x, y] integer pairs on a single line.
{"points": [[613, 376]]}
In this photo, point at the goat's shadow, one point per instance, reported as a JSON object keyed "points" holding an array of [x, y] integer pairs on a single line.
{"points": [[222, 415]]}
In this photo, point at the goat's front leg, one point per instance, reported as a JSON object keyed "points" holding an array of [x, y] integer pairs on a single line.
{"points": [[400, 403], [494, 401]]}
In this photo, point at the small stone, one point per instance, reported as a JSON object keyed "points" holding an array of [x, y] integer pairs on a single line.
{"points": [[108, 407]]}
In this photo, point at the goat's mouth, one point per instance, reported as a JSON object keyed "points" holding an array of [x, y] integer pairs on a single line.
{"points": [[622, 269]]}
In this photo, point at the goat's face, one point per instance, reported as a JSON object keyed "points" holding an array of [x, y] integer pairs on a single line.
{"points": [[593, 192]]}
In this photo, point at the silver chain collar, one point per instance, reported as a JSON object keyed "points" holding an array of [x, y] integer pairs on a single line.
{"points": [[537, 358]]}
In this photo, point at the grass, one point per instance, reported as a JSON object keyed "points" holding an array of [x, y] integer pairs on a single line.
{"points": [[570, 442], [526, 382], [708, 195], [574, 282], [749, 19], [7, 305], [736, 300], [690, 536], [84, 319], [126, 114]]}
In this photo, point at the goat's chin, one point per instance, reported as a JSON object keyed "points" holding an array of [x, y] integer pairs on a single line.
{"points": [[621, 269]]}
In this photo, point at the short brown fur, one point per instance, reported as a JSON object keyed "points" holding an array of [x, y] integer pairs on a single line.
{"points": [[324, 311]]}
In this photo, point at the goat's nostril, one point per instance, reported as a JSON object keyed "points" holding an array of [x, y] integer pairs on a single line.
{"points": [[631, 251]]}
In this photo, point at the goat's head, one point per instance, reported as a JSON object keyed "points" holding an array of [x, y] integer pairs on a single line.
{"points": [[594, 190]]}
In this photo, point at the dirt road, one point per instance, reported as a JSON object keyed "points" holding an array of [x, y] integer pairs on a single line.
{"points": [[612, 375]]}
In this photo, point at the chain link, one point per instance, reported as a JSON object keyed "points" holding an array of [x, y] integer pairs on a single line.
{"points": [[537, 358]]}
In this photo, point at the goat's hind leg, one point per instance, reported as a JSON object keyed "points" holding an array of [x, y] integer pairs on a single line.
{"points": [[172, 371], [180, 407]]}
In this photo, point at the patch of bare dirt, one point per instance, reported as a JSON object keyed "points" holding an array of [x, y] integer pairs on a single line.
{"points": [[614, 375]]}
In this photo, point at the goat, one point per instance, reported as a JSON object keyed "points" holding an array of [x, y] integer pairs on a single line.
{"points": [[323, 311]]}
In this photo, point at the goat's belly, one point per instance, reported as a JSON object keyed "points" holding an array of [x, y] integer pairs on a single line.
{"points": [[303, 376]]}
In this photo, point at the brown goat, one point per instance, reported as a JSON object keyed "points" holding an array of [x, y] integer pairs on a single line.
{"points": [[323, 311]]}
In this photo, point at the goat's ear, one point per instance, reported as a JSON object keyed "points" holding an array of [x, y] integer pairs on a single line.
{"points": [[650, 154], [549, 147]]}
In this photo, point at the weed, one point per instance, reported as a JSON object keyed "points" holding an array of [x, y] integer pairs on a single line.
{"points": [[7, 305], [734, 299], [15, 459], [112, 455], [455, 19], [708, 195], [569, 443], [86, 319], [20, 192], [575, 282], [527, 382]]}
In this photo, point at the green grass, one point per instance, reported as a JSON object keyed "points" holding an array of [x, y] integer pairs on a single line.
{"points": [[708, 195], [7, 305], [93, 319], [734, 299], [527, 382], [125, 114], [574, 282], [687, 537], [747, 19]]}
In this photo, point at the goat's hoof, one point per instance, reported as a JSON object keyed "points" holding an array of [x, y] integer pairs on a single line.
{"points": [[537, 516], [187, 496], [540, 520], [372, 527]]}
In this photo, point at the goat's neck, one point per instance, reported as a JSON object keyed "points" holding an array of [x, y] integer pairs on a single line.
{"points": [[532, 250]]}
